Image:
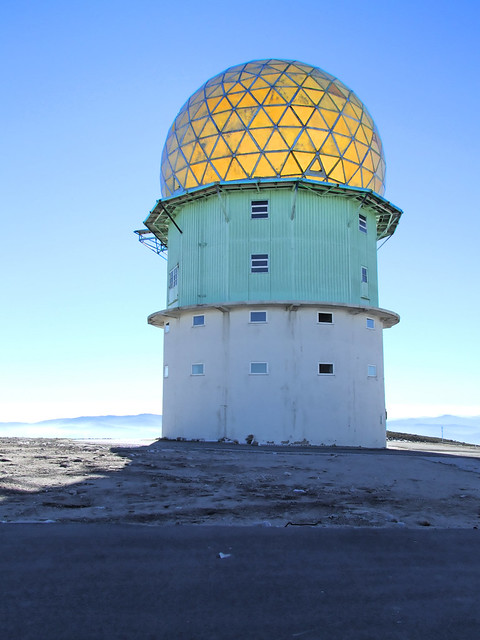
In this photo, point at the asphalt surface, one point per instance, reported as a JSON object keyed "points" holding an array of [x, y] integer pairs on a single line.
{"points": [[94, 582]]}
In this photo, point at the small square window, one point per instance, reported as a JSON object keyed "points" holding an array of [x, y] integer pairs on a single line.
{"points": [[166, 327], [325, 318], [198, 369], [259, 368], [259, 263], [362, 223], [364, 274], [370, 323], [198, 321], [258, 316], [372, 370], [165, 371], [259, 209], [325, 369]]}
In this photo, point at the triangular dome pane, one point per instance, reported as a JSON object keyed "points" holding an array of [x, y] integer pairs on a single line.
{"points": [[261, 136], [264, 169], [248, 162], [235, 171], [221, 166], [247, 145], [277, 159], [291, 167]]}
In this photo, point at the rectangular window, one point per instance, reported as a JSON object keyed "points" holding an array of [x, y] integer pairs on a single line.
{"points": [[362, 223], [364, 274], [325, 369], [259, 263], [259, 368], [259, 209], [167, 327], [370, 323], [258, 316], [173, 284], [198, 321], [198, 369], [165, 371], [372, 370], [173, 278], [325, 318]]}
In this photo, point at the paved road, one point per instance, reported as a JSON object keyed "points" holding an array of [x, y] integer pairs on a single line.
{"points": [[127, 582]]}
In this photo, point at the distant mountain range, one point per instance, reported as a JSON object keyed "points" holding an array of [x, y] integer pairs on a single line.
{"points": [[454, 427], [139, 427], [149, 426]]}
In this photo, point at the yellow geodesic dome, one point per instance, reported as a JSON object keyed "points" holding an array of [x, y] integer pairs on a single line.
{"points": [[272, 119]]}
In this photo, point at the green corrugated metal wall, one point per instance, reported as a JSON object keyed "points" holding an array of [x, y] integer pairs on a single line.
{"points": [[315, 255]]}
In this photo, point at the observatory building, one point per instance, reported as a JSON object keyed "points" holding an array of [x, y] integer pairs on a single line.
{"points": [[272, 206]]}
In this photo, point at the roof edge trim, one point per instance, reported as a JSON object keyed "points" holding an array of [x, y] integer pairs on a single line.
{"points": [[388, 215]]}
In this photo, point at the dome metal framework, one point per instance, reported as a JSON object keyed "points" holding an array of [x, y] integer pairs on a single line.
{"points": [[275, 119]]}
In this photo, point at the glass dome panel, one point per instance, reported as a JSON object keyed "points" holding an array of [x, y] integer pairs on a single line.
{"points": [[272, 119]]}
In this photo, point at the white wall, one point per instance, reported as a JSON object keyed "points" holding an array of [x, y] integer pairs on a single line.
{"points": [[292, 403]]}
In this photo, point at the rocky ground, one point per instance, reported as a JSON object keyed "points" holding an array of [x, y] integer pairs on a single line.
{"points": [[163, 482]]}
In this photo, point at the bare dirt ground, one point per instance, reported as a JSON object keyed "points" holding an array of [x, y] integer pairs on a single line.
{"points": [[163, 482]]}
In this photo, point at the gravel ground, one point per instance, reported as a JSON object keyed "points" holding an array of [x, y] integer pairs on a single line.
{"points": [[162, 482]]}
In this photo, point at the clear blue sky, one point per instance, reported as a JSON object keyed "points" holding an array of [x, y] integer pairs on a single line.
{"points": [[89, 90]]}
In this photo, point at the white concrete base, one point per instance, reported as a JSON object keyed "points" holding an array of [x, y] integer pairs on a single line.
{"points": [[292, 403]]}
